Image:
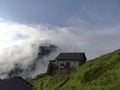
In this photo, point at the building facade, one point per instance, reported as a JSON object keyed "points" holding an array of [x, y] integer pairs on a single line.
{"points": [[70, 60]]}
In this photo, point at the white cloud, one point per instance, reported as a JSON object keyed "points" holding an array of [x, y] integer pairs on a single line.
{"points": [[19, 43]]}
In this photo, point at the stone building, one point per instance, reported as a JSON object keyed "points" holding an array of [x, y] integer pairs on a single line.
{"points": [[69, 61]]}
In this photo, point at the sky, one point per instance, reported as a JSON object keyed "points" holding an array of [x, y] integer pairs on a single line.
{"points": [[61, 12], [90, 26]]}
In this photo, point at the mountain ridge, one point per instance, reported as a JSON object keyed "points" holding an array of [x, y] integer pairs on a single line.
{"points": [[102, 73]]}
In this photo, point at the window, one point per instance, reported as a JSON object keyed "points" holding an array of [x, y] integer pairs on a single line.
{"points": [[61, 64]]}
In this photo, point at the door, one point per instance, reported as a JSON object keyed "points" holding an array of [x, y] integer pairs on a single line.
{"points": [[68, 65]]}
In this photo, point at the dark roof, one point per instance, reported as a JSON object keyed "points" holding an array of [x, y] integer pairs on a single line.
{"points": [[71, 56], [14, 84]]}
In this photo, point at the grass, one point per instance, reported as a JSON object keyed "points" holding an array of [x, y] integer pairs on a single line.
{"points": [[50, 82], [102, 73]]}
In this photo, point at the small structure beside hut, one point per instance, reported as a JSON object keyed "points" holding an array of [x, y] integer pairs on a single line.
{"points": [[67, 62]]}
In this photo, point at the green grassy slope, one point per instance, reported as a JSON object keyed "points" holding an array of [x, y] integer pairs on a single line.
{"points": [[102, 73]]}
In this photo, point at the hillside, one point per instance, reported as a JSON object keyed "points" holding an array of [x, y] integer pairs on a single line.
{"points": [[102, 73]]}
